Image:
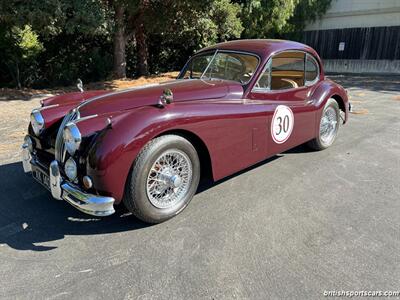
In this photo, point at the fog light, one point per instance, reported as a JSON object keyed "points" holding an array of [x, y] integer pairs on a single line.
{"points": [[70, 169], [29, 142], [87, 182]]}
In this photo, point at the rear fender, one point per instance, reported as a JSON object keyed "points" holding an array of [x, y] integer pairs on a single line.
{"points": [[326, 90]]}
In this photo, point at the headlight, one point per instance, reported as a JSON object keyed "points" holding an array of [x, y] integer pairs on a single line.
{"points": [[70, 169], [72, 138], [37, 121]]}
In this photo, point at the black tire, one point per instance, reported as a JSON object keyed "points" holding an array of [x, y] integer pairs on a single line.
{"points": [[318, 143], [136, 197]]}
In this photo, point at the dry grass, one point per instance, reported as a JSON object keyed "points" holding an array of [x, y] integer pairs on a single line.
{"points": [[26, 93]]}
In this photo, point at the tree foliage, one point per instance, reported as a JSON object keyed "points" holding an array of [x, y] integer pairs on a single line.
{"points": [[263, 18], [52, 42]]}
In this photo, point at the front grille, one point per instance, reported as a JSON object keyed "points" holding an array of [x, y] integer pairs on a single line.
{"points": [[60, 147]]}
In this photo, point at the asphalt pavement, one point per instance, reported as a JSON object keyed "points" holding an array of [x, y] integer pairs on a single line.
{"points": [[293, 226]]}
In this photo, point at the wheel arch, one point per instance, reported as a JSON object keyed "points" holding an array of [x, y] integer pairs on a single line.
{"points": [[342, 105], [201, 148], [340, 102]]}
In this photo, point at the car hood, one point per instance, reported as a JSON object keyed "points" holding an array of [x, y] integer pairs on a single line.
{"points": [[101, 102]]}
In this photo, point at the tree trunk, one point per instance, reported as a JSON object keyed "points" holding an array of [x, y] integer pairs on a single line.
{"points": [[119, 68], [141, 41], [18, 76]]}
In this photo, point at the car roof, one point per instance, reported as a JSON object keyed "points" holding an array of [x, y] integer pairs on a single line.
{"points": [[261, 47]]}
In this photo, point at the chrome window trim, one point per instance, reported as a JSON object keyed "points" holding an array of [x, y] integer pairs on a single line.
{"points": [[312, 82], [269, 61], [223, 51], [256, 89]]}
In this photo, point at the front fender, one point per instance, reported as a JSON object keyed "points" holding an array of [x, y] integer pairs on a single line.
{"points": [[112, 154]]}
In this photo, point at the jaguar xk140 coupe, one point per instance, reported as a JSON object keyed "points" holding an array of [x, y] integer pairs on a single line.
{"points": [[233, 105]]}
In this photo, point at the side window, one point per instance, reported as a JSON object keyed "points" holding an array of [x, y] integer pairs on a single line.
{"points": [[287, 70], [284, 71], [312, 70]]}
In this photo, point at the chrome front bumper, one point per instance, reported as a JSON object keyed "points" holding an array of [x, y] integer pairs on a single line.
{"points": [[61, 189]]}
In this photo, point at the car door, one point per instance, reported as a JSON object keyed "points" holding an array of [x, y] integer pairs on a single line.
{"points": [[285, 87]]}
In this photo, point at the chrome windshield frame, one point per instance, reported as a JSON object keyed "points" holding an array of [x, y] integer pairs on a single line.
{"points": [[181, 73]]}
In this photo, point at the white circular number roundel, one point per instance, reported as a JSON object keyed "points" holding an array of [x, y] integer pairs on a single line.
{"points": [[282, 124]]}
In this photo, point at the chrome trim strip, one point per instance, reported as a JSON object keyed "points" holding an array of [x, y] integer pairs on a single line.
{"points": [[85, 118], [48, 106]]}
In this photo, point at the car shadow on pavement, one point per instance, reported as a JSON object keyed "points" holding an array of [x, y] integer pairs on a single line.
{"points": [[208, 183], [29, 215]]}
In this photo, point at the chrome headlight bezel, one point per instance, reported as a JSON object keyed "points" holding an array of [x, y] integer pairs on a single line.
{"points": [[37, 121], [72, 138], [71, 169]]}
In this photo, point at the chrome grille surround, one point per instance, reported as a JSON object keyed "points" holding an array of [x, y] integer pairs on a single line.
{"points": [[59, 150]]}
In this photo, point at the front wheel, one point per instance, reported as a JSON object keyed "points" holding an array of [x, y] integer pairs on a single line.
{"points": [[328, 126], [163, 180]]}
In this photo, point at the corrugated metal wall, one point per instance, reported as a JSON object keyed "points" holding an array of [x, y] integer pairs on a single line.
{"points": [[373, 43]]}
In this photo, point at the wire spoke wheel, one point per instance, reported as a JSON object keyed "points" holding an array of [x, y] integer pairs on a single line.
{"points": [[329, 126], [169, 179]]}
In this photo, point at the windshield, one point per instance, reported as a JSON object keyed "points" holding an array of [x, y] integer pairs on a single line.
{"points": [[221, 65]]}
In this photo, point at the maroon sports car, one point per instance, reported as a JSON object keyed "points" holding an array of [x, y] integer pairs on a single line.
{"points": [[233, 105]]}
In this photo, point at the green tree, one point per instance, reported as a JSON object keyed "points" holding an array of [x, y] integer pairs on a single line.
{"points": [[25, 26], [135, 21], [306, 11], [179, 28], [276, 18], [19, 47], [265, 18]]}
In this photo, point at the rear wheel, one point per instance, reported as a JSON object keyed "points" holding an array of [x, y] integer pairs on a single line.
{"points": [[163, 180], [328, 126]]}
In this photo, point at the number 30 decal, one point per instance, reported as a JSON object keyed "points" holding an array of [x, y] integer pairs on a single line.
{"points": [[282, 124]]}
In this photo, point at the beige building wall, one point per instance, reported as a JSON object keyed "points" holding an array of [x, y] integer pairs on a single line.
{"points": [[359, 13]]}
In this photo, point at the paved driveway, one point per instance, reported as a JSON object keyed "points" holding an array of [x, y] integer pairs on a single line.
{"points": [[290, 227]]}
